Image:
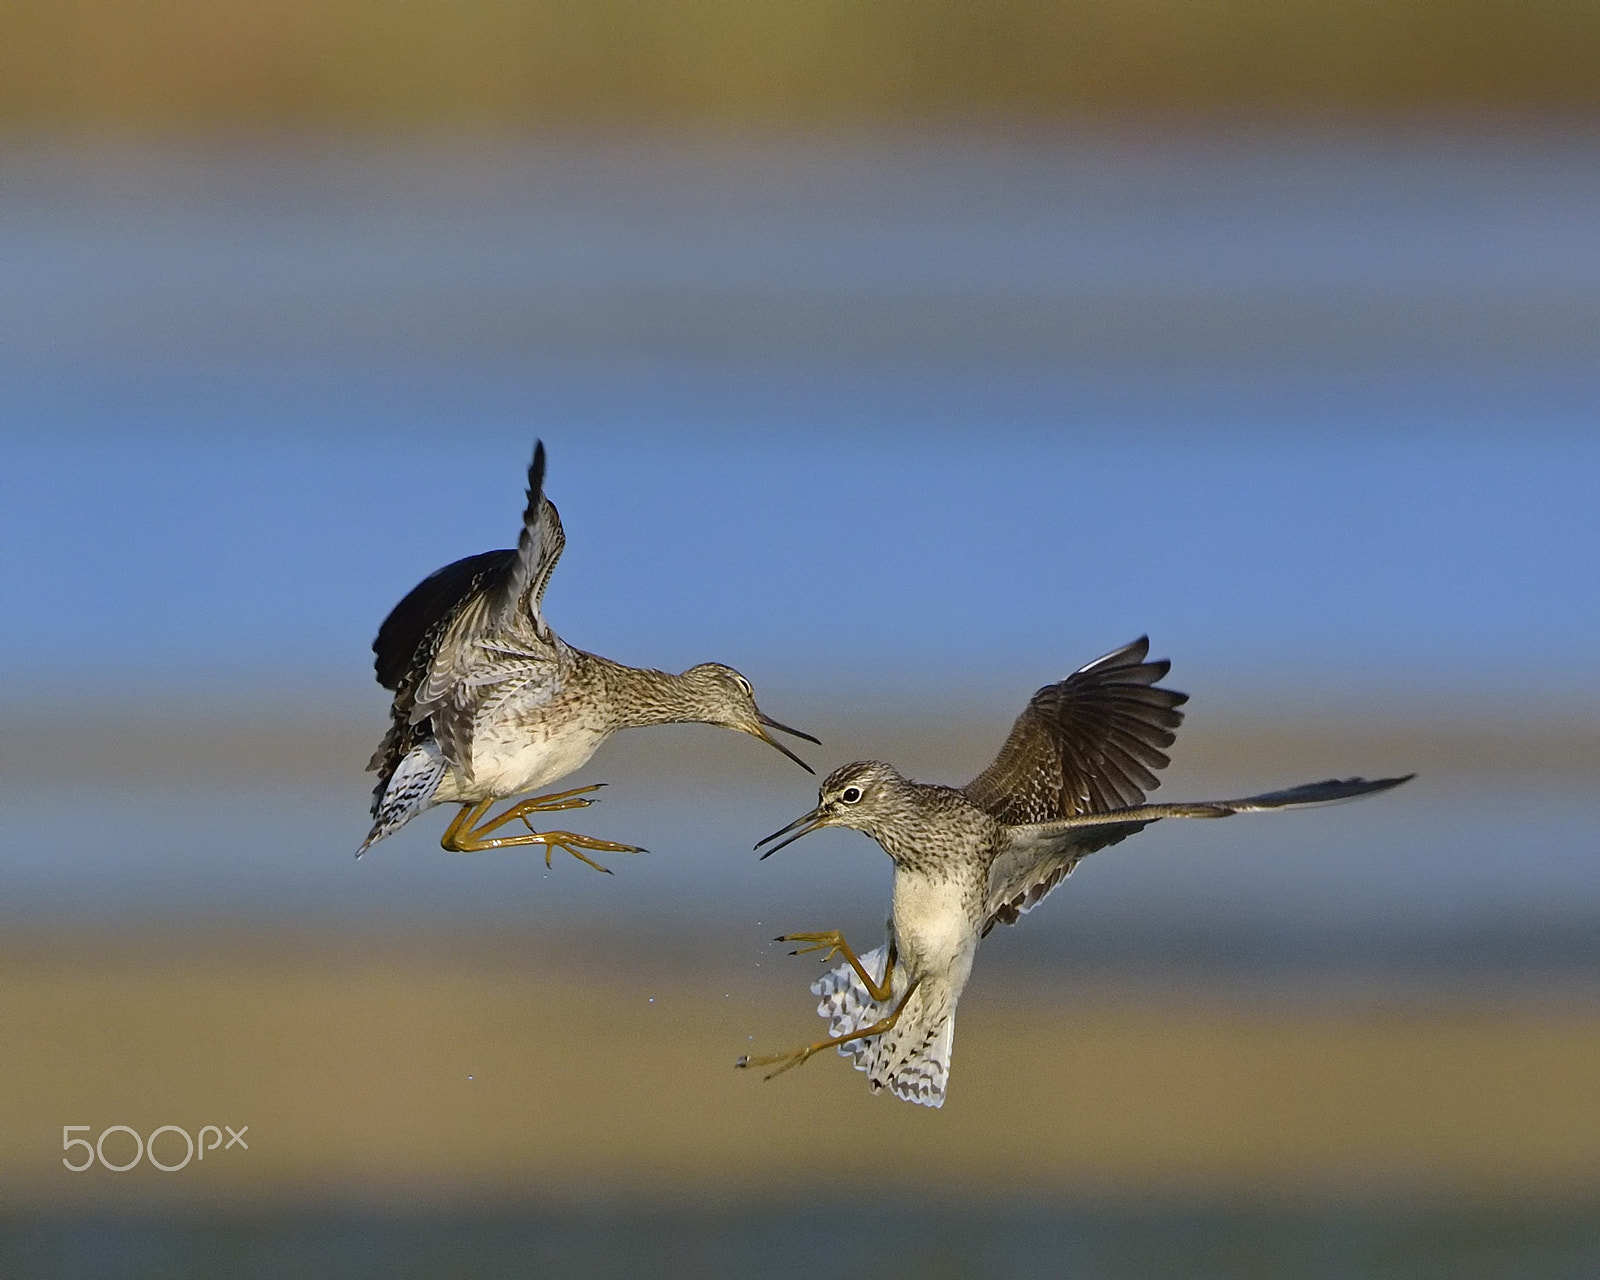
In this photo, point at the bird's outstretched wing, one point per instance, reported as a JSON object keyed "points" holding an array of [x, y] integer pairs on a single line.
{"points": [[1038, 856], [469, 633], [498, 644], [410, 635], [407, 643], [1085, 745]]}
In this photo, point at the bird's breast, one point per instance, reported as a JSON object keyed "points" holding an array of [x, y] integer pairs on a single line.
{"points": [[935, 926]]}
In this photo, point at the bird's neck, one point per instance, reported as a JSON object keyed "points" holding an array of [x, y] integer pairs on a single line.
{"points": [[641, 696], [939, 833]]}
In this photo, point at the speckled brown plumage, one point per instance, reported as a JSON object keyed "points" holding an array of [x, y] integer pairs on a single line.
{"points": [[489, 702], [1086, 744], [407, 642], [1071, 778]]}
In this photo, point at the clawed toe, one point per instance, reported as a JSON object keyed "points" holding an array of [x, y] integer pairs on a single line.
{"points": [[780, 1062], [605, 871], [831, 942]]}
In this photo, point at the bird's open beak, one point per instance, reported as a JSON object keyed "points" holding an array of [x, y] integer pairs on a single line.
{"points": [[800, 826], [769, 723]]}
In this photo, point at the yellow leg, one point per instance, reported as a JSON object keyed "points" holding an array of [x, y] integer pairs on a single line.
{"points": [[784, 1061], [834, 941], [468, 834], [469, 814]]}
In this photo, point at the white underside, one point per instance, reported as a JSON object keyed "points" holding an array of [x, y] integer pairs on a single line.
{"points": [[503, 766], [524, 760], [934, 941], [934, 930]]}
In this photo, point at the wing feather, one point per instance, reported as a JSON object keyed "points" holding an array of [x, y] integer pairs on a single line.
{"points": [[539, 546], [1038, 856], [411, 631], [468, 635], [1089, 743], [407, 642]]}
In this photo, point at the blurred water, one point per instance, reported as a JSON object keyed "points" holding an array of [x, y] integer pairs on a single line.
{"points": [[909, 419], [919, 419], [1421, 884]]}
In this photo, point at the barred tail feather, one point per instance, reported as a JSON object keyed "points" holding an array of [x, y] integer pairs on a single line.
{"points": [[848, 1005], [912, 1059], [409, 792]]}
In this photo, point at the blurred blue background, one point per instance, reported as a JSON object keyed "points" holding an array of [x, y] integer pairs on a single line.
{"points": [[953, 412], [902, 425], [905, 357]]}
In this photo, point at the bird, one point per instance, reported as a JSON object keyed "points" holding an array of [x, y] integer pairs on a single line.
{"points": [[1070, 779], [489, 702]]}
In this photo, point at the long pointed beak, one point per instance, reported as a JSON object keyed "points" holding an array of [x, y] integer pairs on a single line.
{"points": [[769, 723], [800, 826]]}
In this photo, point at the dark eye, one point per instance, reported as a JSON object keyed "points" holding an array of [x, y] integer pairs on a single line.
{"points": [[850, 795], [744, 686]]}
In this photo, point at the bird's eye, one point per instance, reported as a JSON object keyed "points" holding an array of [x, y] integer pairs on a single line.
{"points": [[850, 795], [744, 686]]}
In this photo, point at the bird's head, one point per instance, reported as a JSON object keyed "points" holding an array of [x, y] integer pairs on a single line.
{"points": [[855, 795], [725, 698]]}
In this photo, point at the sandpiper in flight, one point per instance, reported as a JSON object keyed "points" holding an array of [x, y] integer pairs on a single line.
{"points": [[489, 702], [1069, 780]]}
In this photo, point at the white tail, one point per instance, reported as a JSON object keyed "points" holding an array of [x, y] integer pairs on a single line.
{"points": [[912, 1058]]}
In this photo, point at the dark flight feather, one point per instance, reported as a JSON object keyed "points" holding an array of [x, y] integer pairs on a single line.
{"points": [[1089, 743]]}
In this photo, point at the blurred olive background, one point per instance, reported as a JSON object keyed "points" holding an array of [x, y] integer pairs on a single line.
{"points": [[180, 64], [905, 357]]}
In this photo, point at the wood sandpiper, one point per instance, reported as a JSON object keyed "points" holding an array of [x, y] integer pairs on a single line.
{"points": [[1070, 779], [489, 702]]}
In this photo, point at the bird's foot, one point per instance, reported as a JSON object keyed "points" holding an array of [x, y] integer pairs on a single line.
{"points": [[574, 844], [463, 837], [830, 940], [577, 798], [831, 943], [781, 1062]]}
